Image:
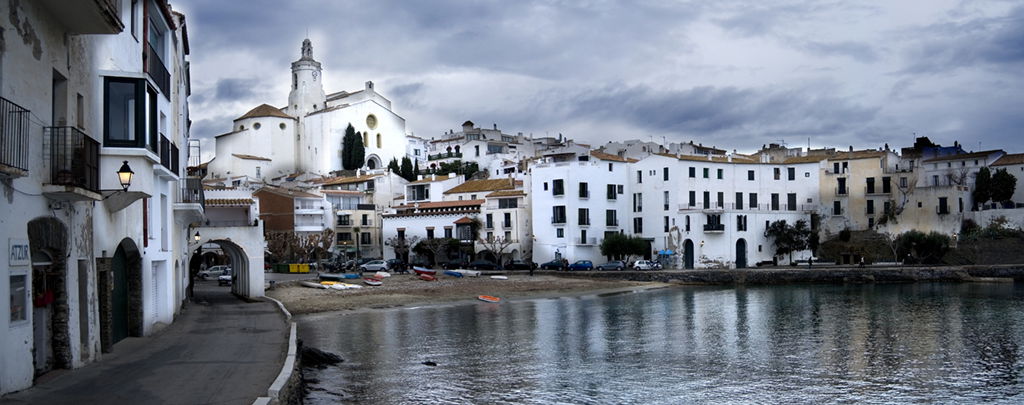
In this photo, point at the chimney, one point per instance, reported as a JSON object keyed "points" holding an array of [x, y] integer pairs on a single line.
{"points": [[495, 126], [369, 86], [433, 177], [728, 158], [452, 175], [419, 177]]}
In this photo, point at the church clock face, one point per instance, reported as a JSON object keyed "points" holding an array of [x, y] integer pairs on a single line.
{"points": [[371, 121], [316, 75]]}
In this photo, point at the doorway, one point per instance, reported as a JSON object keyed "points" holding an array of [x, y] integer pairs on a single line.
{"points": [[688, 254], [741, 253]]}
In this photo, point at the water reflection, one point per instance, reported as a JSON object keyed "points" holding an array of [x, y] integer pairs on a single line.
{"points": [[864, 343]]}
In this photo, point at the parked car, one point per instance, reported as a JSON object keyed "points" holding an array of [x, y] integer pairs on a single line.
{"points": [[374, 265], [455, 264], [581, 265], [396, 265], [482, 264], [212, 272], [518, 265], [225, 278], [613, 265], [646, 265], [553, 265]]}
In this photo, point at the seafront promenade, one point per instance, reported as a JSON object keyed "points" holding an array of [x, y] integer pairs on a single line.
{"points": [[220, 350]]}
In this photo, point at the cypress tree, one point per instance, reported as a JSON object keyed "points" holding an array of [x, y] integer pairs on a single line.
{"points": [[347, 147], [358, 151], [407, 169], [415, 169], [982, 186], [393, 167]]}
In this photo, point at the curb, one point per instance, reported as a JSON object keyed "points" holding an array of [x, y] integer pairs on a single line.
{"points": [[274, 392]]}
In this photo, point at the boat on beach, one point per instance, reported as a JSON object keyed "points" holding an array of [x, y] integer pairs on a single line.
{"points": [[424, 270], [468, 273], [311, 284], [427, 277], [488, 298], [336, 276], [453, 273], [372, 282], [500, 277]]}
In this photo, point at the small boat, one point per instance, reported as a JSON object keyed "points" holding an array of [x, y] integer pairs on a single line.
{"points": [[329, 283], [372, 282], [468, 273], [424, 270], [311, 284], [488, 298], [500, 277], [345, 286], [427, 277], [453, 273], [381, 274]]}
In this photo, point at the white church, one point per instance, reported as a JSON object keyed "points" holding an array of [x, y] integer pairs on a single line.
{"points": [[306, 135]]}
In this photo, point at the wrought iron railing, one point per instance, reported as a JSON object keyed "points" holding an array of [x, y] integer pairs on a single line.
{"points": [[445, 155], [714, 227], [157, 70], [74, 158], [174, 160], [13, 135], [192, 191], [165, 152]]}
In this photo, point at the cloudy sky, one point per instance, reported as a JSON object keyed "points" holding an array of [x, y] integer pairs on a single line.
{"points": [[735, 74]]}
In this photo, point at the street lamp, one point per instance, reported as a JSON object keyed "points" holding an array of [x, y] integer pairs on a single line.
{"points": [[197, 237], [124, 174]]}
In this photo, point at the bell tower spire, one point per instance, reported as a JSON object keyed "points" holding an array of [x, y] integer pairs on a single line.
{"points": [[307, 93]]}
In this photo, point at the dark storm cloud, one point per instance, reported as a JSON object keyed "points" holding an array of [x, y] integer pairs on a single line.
{"points": [[990, 41]]}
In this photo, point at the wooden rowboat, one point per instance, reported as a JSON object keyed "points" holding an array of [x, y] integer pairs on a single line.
{"points": [[372, 281], [488, 298], [453, 273], [427, 277], [424, 270]]}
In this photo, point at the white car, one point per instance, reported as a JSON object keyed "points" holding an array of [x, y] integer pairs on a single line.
{"points": [[645, 265], [225, 278], [212, 272], [375, 265]]}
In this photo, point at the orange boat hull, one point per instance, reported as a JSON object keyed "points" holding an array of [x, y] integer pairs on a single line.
{"points": [[488, 298]]}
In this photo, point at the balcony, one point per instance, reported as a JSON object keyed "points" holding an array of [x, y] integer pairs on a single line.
{"points": [[445, 156], [875, 191], [612, 223], [228, 224], [74, 165], [168, 158], [714, 228], [842, 191], [557, 220], [585, 241], [942, 210], [14, 126], [86, 16], [157, 70], [191, 205], [584, 222]]}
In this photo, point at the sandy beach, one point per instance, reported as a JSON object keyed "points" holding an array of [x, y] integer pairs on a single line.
{"points": [[407, 290]]}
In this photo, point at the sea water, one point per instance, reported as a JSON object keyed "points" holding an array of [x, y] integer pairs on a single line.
{"points": [[897, 343]]}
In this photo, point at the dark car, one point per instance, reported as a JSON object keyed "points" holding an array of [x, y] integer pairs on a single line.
{"points": [[581, 265], [455, 264], [553, 265], [396, 265], [518, 265], [613, 265], [482, 264]]}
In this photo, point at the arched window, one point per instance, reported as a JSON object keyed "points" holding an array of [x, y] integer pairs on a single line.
{"points": [[457, 148], [378, 141], [366, 139]]}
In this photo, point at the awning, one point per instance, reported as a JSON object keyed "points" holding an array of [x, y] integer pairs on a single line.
{"points": [[666, 252]]}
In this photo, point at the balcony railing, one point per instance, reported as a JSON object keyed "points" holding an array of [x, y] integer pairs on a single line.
{"points": [[14, 126], [746, 207], [192, 191], [611, 223], [445, 155], [583, 221], [557, 220], [366, 207], [942, 210], [174, 160], [74, 158], [228, 224], [586, 241], [842, 191], [877, 190], [714, 227], [157, 70], [165, 152]]}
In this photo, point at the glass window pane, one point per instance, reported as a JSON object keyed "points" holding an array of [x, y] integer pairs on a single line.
{"points": [[18, 298], [121, 111]]}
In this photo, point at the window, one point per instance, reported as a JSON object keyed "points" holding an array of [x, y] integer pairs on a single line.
{"points": [[343, 220], [619, 188], [961, 204], [135, 18], [903, 182], [753, 201], [775, 201], [885, 207], [791, 202], [687, 223], [750, 175], [364, 238], [707, 199], [693, 198], [841, 186], [508, 202], [791, 171], [741, 222], [739, 201], [611, 192], [19, 297], [935, 180], [665, 220], [721, 200], [258, 172], [835, 168], [609, 167], [664, 173], [490, 236], [545, 186], [430, 233], [721, 174], [124, 115], [489, 221], [344, 237], [507, 220], [557, 187], [508, 236], [610, 218], [638, 202], [583, 236], [871, 222], [693, 172], [584, 191], [943, 205], [706, 172], [379, 143], [638, 225], [666, 201], [584, 216], [559, 233], [871, 207], [639, 176], [558, 214], [886, 185], [870, 185], [837, 208], [477, 150], [778, 173], [448, 232]]}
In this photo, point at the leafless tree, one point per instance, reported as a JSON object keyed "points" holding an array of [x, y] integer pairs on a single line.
{"points": [[497, 246], [402, 245]]}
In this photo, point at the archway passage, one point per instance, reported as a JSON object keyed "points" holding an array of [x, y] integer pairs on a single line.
{"points": [[373, 162], [121, 300], [688, 254], [48, 241], [232, 257], [741, 253]]}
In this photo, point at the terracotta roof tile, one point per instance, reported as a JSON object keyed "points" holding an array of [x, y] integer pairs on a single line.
{"points": [[1006, 160], [442, 204], [474, 186], [858, 154], [464, 221], [506, 193], [264, 110], [288, 192], [427, 179], [973, 155], [804, 159], [228, 202], [611, 157], [334, 181]]}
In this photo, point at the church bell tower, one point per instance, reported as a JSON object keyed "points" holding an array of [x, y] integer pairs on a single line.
{"points": [[307, 93]]}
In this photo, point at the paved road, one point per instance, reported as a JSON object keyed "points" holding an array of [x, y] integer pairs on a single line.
{"points": [[220, 350]]}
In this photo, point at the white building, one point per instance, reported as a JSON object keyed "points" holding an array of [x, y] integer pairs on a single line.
{"points": [[306, 135], [357, 203], [85, 91]]}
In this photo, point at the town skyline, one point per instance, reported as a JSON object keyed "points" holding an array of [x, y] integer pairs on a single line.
{"points": [[729, 75]]}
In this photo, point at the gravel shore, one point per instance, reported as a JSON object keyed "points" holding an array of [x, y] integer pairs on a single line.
{"points": [[407, 290]]}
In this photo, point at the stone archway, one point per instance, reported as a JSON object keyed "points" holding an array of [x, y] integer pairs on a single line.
{"points": [[48, 242], [247, 269], [120, 294], [373, 162]]}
